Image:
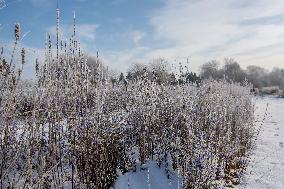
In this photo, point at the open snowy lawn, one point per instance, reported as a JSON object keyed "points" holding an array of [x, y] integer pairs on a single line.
{"points": [[266, 169]]}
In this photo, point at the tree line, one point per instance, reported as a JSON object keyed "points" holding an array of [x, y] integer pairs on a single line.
{"points": [[232, 71], [229, 70]]}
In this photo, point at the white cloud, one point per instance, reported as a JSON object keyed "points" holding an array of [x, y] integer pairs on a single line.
{"points": [[212, 29], [252, 32], [121, 60], [137, 36], [87, 31]]}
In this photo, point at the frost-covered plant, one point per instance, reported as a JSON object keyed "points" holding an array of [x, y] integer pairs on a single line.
{"points": [[10, 74], [204, 131], [75, 129]]}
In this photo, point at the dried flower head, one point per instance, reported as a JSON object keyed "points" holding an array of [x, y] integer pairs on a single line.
{"points": [[23, 56], [37, 66], [3, 66], [17, 31], [4, 62], [20, 72]]}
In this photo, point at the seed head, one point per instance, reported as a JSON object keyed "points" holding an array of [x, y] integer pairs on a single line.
{"points": [[23, 56], [20, 72], [3, 66], [37, 66], [4, 62], [17, 31]]}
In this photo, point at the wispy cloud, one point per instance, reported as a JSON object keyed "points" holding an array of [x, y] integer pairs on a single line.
{"points": [[87, 31], [228, 28], [121, 60], [249, 31]]}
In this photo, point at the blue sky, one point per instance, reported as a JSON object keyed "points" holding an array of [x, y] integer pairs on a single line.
{"points": [[129, 31]]}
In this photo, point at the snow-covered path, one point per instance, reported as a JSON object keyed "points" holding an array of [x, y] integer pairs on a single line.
{"points": [[266, 169]]}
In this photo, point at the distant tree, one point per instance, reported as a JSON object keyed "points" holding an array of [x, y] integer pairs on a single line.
{"points": [[257, 76], [233, 71], [160, 68], [122, 80], [121, 77], [276, 78], [210, 70], [192, 77], [157, 70], [135, 71]]}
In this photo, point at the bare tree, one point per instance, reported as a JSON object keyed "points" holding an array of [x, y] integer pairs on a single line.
{"points": [[233, 71], [210, 70], [257, 76]]}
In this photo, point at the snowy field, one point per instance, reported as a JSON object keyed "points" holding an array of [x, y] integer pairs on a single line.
{"points": [[265, 171]]}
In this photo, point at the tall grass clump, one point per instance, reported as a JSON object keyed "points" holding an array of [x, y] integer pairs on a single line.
{"points": [[11, 68], [74, 129]]}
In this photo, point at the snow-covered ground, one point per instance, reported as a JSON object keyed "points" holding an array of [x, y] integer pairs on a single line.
{"points": [[266, 169], [154, 178]]}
